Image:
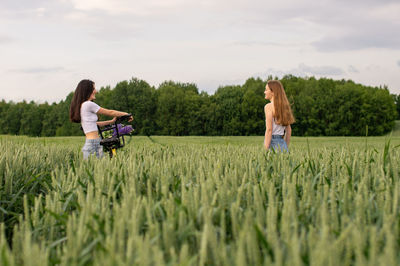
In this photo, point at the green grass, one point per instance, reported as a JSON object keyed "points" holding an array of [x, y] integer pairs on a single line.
{"points": [[201, 201], [296, 142]]}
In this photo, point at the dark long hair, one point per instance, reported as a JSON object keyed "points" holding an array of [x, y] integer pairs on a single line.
{"points": [[82, 93]]}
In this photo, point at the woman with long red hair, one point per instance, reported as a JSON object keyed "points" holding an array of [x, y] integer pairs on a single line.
{"points": [[278, 117]]}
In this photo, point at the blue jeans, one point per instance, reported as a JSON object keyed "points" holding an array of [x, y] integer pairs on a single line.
{"points": [[278, 144], [92, 146]]}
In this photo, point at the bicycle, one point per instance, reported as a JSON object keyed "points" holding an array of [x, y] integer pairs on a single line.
{"points": [[116, 139]]}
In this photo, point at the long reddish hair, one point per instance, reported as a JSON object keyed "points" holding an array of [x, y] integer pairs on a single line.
{"points": [[283, 112]]}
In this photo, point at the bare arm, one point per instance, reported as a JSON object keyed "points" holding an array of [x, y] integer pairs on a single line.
{"points": [[268, 126], [112, 113], [105, 123], [288, 134]]}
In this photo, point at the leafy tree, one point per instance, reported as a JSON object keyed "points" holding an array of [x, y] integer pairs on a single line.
{"points": [[396, 99], [228, 100], [31, 119], [65, 126], [4, 107], [322, 107], [252, 107], [175, 108], [50, 121], [12, 118]]}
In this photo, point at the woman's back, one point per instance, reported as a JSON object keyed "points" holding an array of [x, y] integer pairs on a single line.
{"points": [[277, 129]]}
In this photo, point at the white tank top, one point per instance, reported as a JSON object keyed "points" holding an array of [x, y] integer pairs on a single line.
{"points": [[277, 129]]}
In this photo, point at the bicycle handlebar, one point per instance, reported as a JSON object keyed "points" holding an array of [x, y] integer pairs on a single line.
{"points": [[123, 118]]}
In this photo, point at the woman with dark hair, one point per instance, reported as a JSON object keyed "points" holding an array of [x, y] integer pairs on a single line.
{"points": [[278, 117], [84, 111]]}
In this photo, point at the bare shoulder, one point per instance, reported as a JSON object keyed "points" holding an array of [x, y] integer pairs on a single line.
{"points": [[269, 107]]}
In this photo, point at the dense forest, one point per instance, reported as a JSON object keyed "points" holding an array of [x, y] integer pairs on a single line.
{"points": [[322, 107]]}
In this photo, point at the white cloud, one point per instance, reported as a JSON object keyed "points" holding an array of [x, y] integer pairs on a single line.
{"points": [[48, 43], [76, 16], [304, 70], [389, 12], [5, 39], [117, 7], [353, 69], [38, 70], [40, 11], [373, 36]]}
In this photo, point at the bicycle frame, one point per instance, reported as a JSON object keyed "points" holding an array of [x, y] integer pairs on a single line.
{"points": [[117, 140]]}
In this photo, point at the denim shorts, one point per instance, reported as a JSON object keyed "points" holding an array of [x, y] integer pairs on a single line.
{"points": [[92, 146], [278, 144]]}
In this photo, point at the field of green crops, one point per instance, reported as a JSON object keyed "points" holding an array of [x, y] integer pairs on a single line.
{"points": [[201, 201]]}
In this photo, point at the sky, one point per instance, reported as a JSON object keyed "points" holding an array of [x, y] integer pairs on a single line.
{"points": [[48, 46]]}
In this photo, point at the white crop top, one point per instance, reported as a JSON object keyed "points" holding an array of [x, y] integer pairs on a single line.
{"points": [[277, 129], [89, 116]]}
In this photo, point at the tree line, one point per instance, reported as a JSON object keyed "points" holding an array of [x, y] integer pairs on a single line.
{"points": [[322, 107]]}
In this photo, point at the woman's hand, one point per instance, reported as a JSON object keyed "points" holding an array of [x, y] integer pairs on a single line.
{"points": [[113, 120], [130, 118]]}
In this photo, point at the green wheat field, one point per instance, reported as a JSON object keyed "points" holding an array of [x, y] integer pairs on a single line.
{"points": [[201, 201]]}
